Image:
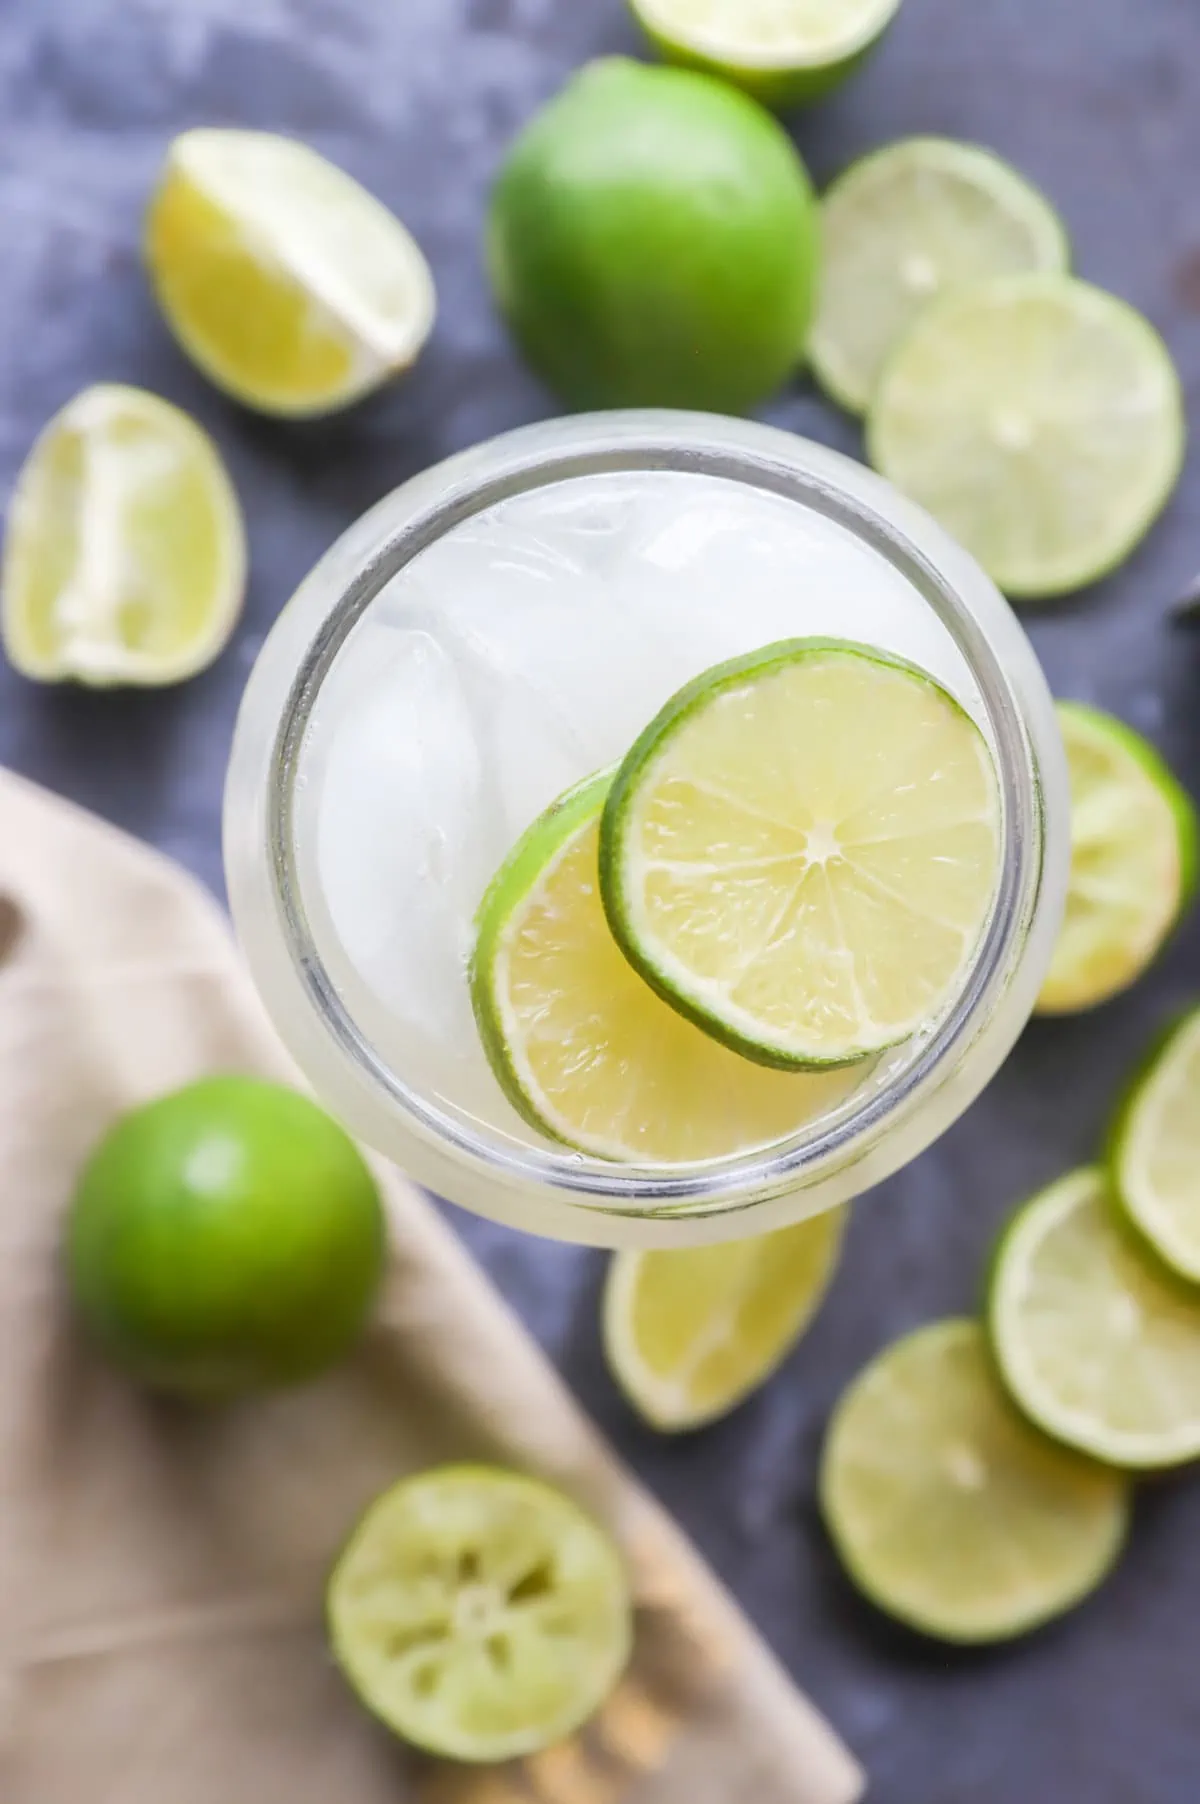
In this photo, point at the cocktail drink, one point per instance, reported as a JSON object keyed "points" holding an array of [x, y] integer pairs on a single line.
{"points": [[500, 633]]}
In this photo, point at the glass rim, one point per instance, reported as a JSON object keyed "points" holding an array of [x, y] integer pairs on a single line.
{"points": [[766, 458]]}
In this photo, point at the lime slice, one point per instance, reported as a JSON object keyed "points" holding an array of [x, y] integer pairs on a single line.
{"points": [[479, 1614], [292, 287], [801, 851], [1154, 1156], [1133, 861], [125, 557], [585, 1051], [690, 1331], [1040, 420], [784, 52], [904, 225], [947, 1510], [1098, 1344]]}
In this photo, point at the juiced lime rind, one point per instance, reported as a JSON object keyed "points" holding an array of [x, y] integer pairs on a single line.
{"points": [[1177, 1246], [663, 1402], [924, 1586], [528, 862], [792, 76], [21, 552], [892, 452], [1169, 904], [593, 1660], [916, 159], [636, 769], [1128, 1451]]}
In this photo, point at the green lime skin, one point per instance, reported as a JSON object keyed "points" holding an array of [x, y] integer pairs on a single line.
{"points": [[652, 242], [1152, 762], [225, 1238], [780, 89]]}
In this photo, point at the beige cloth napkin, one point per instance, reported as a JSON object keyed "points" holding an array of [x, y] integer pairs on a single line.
{"points": [[161, 1570]]}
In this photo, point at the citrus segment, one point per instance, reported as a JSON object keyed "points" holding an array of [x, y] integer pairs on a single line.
{"points": [[1155, 1153]]}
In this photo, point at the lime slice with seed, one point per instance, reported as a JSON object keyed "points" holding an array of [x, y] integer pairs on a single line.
{"points": [[1040, 420], [1154, 1156], [1133, 861], [585, 1051], [801, 851], [1098, 1344], [125, 556], [785, 52], [948, 1511], [481, 1615], [690, 1331], [292, 287], [904, 225]]}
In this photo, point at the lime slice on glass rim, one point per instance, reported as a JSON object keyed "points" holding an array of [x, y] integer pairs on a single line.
{"points": [[479, 1614], [904, 225], [1133, 861], [690, 1331], [801, 851], [1037, 418], [1097, 1343], [784, 52], [1154, 1150], [948, 1511], [290, 286], [125, 555], [585, 1051]]}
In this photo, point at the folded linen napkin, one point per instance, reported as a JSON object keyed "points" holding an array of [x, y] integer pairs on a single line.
{"points": [[161, 1569]]}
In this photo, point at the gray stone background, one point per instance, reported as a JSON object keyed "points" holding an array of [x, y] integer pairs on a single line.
{"points": [[1098, 100]]}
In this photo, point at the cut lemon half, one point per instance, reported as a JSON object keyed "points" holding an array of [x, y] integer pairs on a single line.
{"points": [[481, 1615], [785, 52], [801, 851], [292, 287], [1097, 1343], [1133, 861], [948, 1511], [1154, 1155], [125, 555], [690, 1331], [1040, 420], [583, 1048], [906, 224]]}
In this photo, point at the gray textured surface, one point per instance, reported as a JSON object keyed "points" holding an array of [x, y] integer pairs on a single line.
{"points": [[1097, 99]]}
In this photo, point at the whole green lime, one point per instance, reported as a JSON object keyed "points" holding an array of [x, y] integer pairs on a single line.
{"points": [[224, 1238], [653, 242]]}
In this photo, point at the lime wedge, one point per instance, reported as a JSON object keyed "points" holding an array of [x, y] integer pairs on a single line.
{"points": [[785, 52], [1040, 420], [801, 851], [904, 225], [479, 1614], [690, 1331], [947, 1510], [1154, 1154], [1098, 1344], [1133, 861], [292, 287], [125, 556], [584, 1050]]}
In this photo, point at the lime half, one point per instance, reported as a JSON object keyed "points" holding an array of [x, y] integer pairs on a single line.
{"points": [[583, 1048], [1040, 420], [801, 851], [784, 52], [1154, 1155], [1133, 861], [291, 286], [690, 1331], [125, 556], [951, 1513], [1098, 1344], [481, 1615], [904, 225]]}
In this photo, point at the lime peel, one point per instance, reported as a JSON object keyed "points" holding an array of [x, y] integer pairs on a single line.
{"points": [[785, 52], [1154, 1150]]}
